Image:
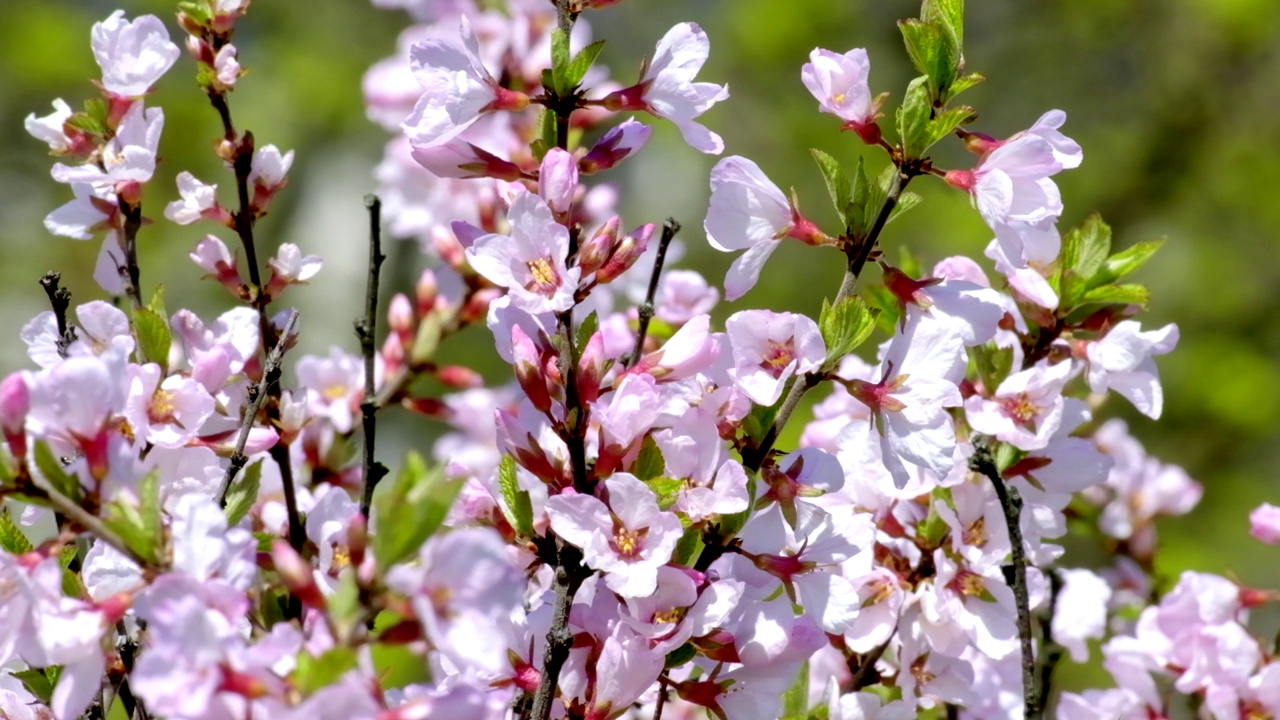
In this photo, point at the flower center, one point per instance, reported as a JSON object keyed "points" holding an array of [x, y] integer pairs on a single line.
{"points": [[543, 277], [778, 355], [976, 534], [627, 542], [1020, 408], [162, 407], [337, 391]]}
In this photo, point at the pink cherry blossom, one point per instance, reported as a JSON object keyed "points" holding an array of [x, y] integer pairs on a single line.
{"points": [[667, 90], [917, 383], [558, 179], [198, 201], [51, 129], [531, 262], [457, 89], [1026, 410], [769, 348], [1081, 611], [334, 385], [132, 55], [94, 209], [225, 66], [1264, 523], [628, 539], [1122, 361], [167, 412], [839, 83], [129, 157], [748, 212]]}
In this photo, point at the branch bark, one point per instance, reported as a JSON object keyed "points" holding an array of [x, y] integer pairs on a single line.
{"points": [[367, 330]]}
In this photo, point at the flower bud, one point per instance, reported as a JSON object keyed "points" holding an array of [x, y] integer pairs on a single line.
{"points": [[591, 369], [460, 377], [595, 252], [400, 316], [557, 180], [616, 145], [626, 254], [296, 574], [528, 369], [426, 291], [15, 403]]}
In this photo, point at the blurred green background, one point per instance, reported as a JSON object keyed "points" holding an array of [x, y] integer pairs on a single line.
{"points": [[1176, 103]]}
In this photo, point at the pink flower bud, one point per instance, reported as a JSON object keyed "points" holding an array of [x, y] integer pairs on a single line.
{"points": [[626, 254], [528, 369], [400, 316], [15, 402], [426, 291], [596, 251], [297, 575], [460, 377], [557, 180], [591, 369], [616, 145]]}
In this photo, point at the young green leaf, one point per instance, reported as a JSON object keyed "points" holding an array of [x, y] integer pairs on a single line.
{"points": [[581, 63], [411, 510], [561, 83], [838, 185], [51, 469], [994, 364], [914, 126], [154, 338], [795, 702], [138, 523], [1124, 294], [11, 537], [517, 507], [313, 673], [649, 463], [243, 494], [844, 326], [1128, 260]]}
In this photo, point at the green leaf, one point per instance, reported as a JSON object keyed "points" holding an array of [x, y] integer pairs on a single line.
{"points": [[516, 507], [561, 84], [1085, 248], [586, 329], [138, 523], [243, 494], [427, 339], [397, 666], [546, 132], [649, 463], [994, 364], [966, 82], [1128, 260], [680, 656], [884, 306], [411, 510], [838, 185], [1125, 294], [37, 682], [12, 539], [344, 603], [667, 489], [947, 15], [844, 326], [198, 11], [50, 468], [935, 529], [944, 123], [313, 673], [151, 326], [689, 547], [913, 119], [923, 40], [581, 63], [795, 702], [906, 201], [758, 421]]}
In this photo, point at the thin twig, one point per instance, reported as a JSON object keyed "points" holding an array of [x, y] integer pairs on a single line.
{"points": [[669, 230], [569, 575], [60, 301], [1011, 502], [72, 511], [863, 677], [257, 396], [366, 331], [856, 261], [663, 682], [1051, 650], [569, 570], [132, 275]]}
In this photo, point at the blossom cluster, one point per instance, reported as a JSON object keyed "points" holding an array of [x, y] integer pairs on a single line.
{"points": [[621, 529]]}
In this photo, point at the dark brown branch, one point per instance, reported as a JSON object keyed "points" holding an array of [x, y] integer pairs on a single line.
{"points": [[257, 396], [60, 301], [1011, 502], [669, 230], [1051, 650], [865, 675], [131, 274], [366, 331], [569, 575]]}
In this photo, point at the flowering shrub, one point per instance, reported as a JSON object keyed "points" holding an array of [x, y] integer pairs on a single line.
{"points": [[622, 531]]}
